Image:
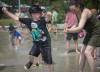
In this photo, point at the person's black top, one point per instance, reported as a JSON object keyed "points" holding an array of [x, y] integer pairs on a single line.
{"points": [[92, 25]]}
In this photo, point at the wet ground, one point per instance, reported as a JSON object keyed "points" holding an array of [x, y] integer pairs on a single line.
{"points": [[13, 60]]}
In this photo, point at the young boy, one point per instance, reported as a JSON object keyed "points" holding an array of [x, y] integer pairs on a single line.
{"points": [[40, 35], [71, 21]]}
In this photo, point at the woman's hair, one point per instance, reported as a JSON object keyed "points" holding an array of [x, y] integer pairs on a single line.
{"points": [[77, 3], [91, 4]]}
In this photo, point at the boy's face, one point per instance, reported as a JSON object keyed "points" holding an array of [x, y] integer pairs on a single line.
{"points": [[72, 7], [36, 15]]}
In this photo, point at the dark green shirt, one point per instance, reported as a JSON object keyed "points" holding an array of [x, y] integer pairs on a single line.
{"points": [[92, 25]]}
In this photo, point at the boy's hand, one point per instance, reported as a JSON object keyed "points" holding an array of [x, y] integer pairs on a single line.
{"points": [[42, 32], [4, 9], [65, 30], [10, 14]]}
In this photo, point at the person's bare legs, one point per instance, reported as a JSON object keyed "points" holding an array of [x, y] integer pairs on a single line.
{"points": [[90, 58], [29, 63], [76, 46], [82, 59], [18, 42], [94, 53], [49, 68], [68, 45], [38, 60]]}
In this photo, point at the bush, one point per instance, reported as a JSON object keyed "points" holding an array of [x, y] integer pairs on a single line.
{"points": [[6, 21]]}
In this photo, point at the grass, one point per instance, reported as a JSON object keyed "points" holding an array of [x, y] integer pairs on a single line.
{"points": [[6, 21]]}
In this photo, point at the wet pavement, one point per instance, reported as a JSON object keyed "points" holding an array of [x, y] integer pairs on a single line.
{"points": [[13, 60]]}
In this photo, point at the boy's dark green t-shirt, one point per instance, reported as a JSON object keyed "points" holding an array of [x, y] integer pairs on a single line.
{"points": [[40, 23]]}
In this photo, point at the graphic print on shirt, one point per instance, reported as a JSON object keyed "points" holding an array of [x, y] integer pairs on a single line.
{"points": [[37, 33]]}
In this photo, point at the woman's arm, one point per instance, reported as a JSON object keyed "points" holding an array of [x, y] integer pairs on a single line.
{"points": [[14, 17], [84, 17]]}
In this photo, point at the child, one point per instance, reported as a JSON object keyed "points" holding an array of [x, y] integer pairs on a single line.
{"points": [[18, 38], [71, 21], [11, 29], [42, 44]]}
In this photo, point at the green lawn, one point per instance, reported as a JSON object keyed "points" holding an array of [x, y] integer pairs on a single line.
{"points": [[6, 21]]}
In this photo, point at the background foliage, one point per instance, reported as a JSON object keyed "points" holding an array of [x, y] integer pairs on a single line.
{"points": [[60, 5]]}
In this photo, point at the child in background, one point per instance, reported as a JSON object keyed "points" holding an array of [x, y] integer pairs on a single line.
{"points": [[71, 21]]}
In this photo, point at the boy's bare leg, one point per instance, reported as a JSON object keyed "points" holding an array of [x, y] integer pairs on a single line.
{"points": [[68, 45], [29, 63], [76, 46], [49, 68]]}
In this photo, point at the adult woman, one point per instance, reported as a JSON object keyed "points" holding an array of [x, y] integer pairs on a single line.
{"points": [[91, 24]]}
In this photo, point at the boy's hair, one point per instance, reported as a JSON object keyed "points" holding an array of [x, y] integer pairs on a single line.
{"points": [[77, 3], [35, 9]]}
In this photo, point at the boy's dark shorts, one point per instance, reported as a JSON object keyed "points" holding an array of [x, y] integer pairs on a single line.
{"points": [[72, 35], [44, 48]]}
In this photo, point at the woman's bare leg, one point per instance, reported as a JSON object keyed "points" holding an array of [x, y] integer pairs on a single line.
{"points": [[82, 59], [90, 58]]}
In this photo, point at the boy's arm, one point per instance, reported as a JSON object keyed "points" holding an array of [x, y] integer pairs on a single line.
{"points": [[11, 15], [15, 17], [65, 23]]}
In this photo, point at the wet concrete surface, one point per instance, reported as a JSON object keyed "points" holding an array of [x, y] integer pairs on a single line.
{"points": [[13, 60]]}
